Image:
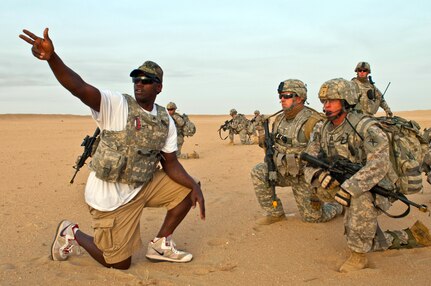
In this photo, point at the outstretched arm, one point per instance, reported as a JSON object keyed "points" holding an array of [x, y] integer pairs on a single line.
{"points": [[43, 49]]}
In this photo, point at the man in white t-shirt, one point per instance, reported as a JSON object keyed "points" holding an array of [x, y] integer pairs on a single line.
{"points": [[136, 136]]}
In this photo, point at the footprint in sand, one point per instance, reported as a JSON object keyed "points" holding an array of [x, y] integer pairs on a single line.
{"points": [[7, 266], [218, 242]]}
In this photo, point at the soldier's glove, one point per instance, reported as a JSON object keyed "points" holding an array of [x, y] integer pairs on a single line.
{"points": [[343, 197], [327, 182], [389, 114], [327, 195]]}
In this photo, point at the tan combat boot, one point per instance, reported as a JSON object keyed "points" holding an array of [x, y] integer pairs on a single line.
{"points": [[183, 156], [269, 219], [193, 155], [416, 236], [421, 234], [356, 261]]}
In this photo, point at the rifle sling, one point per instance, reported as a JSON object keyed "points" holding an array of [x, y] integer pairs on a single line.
{"points": [[405, 213]]}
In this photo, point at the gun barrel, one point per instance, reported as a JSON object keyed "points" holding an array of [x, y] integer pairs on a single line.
{"points": [[74, 175], [314, 161]]}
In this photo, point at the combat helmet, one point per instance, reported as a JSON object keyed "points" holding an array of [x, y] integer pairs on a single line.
{"points": [[233, 111], [364, 66], [294, 86], [339, 88], [257, 112], [171, 105]]}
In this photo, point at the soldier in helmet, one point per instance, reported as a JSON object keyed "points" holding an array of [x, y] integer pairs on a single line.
{"points": [[291, 132], [360, 139], [370, 98], [239, 125], [257, 121], [179, 124]]}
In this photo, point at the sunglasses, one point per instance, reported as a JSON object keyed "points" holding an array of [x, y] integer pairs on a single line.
{"points": [[171, 109], [142, 80], [287, 96], [362, 70]]}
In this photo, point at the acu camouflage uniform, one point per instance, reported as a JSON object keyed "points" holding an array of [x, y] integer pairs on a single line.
{"points": [[361, 228], [179, 124], [131, 156], [291, 137], [239, 125], [258, 123], [370, 97]]}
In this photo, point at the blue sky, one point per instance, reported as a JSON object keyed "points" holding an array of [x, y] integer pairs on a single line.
{"points": [[216, 55]]}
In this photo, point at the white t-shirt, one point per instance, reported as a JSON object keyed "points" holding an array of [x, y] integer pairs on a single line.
{"points": [[102, 195]]}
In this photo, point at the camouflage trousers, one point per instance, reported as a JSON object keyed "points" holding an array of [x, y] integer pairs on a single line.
{"points": [[242, 136], [310, 207], [361, 228]]}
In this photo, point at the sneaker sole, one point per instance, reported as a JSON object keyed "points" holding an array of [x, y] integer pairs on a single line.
{"points": [[186, 258], [57, 234]]}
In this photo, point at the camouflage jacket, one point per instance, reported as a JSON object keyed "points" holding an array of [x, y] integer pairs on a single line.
{"points": [[239, 122], [370, 98], [258, 121], [179, 123], [372, 151]]}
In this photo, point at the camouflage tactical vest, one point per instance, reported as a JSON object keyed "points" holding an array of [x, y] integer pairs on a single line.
{"points": [[131, 156], [290, 139], [369, 97], [239, 122], [344, 141]]}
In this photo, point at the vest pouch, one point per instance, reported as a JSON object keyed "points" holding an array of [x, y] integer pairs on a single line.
{"points": [[411, 180], [292, 164], [280, 162], [143, 165], [108, 163]]}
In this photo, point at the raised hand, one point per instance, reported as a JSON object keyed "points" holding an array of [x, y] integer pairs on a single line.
{"points": [[42, 48]]}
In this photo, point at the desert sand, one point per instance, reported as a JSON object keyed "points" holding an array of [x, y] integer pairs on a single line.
{"points": [[36, 159]]}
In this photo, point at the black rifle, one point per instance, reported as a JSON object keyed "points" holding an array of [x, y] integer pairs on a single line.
{"points": [[224, 127], [342, 169], [269, 158], [88, 143]]}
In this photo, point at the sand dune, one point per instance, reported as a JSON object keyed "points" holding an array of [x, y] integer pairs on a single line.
{"points": [[36, 159]]}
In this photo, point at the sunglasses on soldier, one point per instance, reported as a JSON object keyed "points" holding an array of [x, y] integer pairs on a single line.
{"points": [[287, 95], [362, 70], [143, 80]]}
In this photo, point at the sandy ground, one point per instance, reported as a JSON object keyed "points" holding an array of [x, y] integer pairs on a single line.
{"points": [[37, 153]]}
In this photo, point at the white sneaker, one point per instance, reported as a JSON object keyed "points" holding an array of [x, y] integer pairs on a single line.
{"points": [[64, 244], [164, 249]]}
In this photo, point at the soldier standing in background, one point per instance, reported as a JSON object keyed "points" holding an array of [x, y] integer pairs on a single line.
{"points": [[258, 124], [370, 98], [291, 131], [179, 124]]}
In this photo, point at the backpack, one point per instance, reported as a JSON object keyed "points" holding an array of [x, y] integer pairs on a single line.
{"points": [[408, 149], [189, 128]]}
